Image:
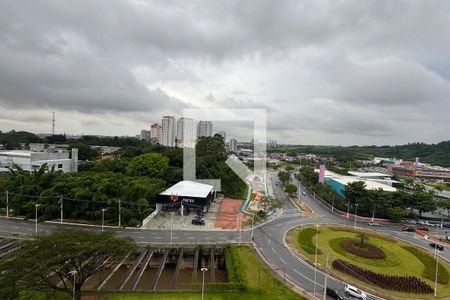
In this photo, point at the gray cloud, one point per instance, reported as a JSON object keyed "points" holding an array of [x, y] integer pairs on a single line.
{"points": [[341, 72]]}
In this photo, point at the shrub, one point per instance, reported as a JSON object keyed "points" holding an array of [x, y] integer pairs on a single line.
{"points": [[370, 251], [305, 240], [430, 265], [408, 284], [234, 270]]}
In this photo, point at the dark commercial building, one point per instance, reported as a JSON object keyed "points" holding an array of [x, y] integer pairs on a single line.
{"points": [[186, 195]]}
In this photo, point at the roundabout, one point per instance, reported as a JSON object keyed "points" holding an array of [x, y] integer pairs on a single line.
{"points": [[372, 261]]}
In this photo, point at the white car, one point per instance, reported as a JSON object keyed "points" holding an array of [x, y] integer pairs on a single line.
{"points": [[354, 292]]}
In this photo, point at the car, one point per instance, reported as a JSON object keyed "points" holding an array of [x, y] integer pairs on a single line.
{"points": [[409, 229], [423, 228], [437, 246], [334, 294], [303, 193], [354, 292], [374, 224], [198, 221], [446, 225]]}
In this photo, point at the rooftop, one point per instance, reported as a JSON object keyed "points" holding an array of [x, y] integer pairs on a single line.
{"points": [[188, 188], [368, 174], [370, 185]]}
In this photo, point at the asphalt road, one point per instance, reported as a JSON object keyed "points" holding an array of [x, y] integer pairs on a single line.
{"points": [[268, 238]]}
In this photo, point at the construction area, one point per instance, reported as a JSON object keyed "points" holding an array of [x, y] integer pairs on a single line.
{"points": [[163, 269]]}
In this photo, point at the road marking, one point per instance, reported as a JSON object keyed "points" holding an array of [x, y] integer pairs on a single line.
{"points": [[158, 238], [273, 250], [283, 261], [297, 272], [190, 237]]}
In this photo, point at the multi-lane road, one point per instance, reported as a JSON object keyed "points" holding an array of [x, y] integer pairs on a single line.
{"points": [[268, 238]]}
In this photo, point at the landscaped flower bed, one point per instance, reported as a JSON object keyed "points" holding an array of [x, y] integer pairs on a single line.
{"points": [[408, 284], [368, 251]]}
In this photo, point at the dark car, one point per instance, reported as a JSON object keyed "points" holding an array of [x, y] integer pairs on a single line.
{"points": [[446, 225], [437, 246], [198, 221], [423, 228], [334, 294], [409, 229]]}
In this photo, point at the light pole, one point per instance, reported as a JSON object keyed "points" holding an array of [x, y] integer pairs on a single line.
{"points": [[61, 208], [7, 204], [348, 209], [326, 279], [103, 217], [203, 284], [373, 213], [437, 266], [73, 273], [119, 215], [36, 217], [356, 212], [253, 220], [315, 259], [171, 225]]}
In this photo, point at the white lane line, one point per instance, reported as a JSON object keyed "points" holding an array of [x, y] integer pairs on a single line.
{"points": [[274, 251], [297, 272], [190, 237], [268, 242], [283, 261], [158, 238]]}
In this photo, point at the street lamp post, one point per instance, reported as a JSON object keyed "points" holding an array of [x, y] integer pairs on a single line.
{"points": [[171, 226], [120, 219], [61, 208], [253, 220], [356, 212], [103, 218], [315, 259], [203, 282], [7, 204], [36, 217], [326, 279], [348, 209], [73, 273], [437, 266]]}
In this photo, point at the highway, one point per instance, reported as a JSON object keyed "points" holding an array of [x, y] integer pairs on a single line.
{"points": [[268, 237]]}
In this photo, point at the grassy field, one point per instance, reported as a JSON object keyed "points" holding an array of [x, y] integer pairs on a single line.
{"points": [[400, 260], [259, 284]]}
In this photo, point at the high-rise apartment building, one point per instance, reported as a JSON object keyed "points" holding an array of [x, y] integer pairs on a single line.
{"points": [[167, 137], [145, 135], [204, 128], [155, 132], [233, 145], [186, 132]]}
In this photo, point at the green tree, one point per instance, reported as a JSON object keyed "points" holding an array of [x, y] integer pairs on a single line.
{"points": [[445, 204], [290, 189], [424, 202], [47, 263], [284, 176], [397, 213], [363, 237], [149, 164], [355, 192]]}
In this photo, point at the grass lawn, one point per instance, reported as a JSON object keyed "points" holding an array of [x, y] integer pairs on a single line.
{"points": [[398, 261], [259, 282]]}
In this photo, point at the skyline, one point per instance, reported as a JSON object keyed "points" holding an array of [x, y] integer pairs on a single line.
{"points": [[372, 73]]}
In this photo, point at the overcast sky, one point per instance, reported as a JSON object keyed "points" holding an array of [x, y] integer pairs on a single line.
{"points": [[328, 72]]}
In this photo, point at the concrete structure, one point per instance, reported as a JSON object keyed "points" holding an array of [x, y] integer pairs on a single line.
{"points": [[423, 171], [155, 132], [204, 128], [186, 194], [233, 145], [168, 134], [42, 147], [30, 161], [145, 135], [186, 132]]}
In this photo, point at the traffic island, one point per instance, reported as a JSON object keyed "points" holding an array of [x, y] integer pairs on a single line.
{"points": [[374, 262]]}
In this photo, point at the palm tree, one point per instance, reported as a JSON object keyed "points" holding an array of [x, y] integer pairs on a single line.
{"points": [[362, 237]]}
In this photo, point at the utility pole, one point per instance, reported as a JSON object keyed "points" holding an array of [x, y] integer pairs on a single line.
{"points": [[119, 216], [53, 124], [315, 259], [7, 204], [62, 206], [36, 218], [356, 213], [103, 218], [437, 266], [253, 218], [326, 279]]}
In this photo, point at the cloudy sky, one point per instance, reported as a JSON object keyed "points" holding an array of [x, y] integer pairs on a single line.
{"points": [[328, 72]]}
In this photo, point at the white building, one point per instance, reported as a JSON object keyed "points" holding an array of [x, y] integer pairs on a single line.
{"points": [[186, 132], [204, 128], [233, 145], [145, 135], [30, 161], [167, 137]]}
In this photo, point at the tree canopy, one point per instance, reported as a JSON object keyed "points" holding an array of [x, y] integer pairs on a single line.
{"points": [[149, 164], [48, 262]]}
